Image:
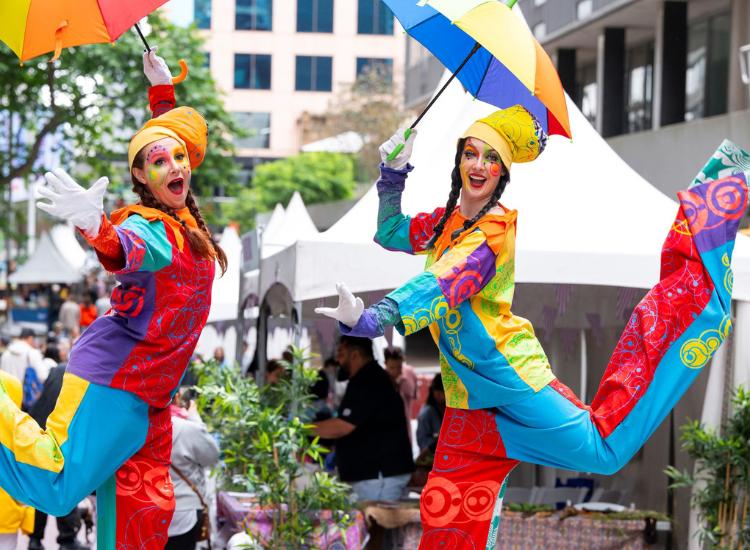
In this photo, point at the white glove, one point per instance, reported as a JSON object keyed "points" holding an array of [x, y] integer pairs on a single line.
{"points": [[389, 146], [349, 309], [156, 69], [69, 201]]}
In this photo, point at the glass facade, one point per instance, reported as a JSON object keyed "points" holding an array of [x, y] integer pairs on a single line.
{"points": [[313, 74], [639, 88], [202, 13], [707, 75], [315, 15], [586, 92], [253, 15], [258, 126], [378, 65], [374, 17], [252, 71]]}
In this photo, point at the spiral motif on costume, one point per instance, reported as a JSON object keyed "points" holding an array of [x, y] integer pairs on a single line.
{"points": [[695, 210], [694, 353], [159, 487], [129, 479], [727, 198], [464, 287], [447, 538], [418, 321], [728, 275], [725, 327], [453, 319], [479, 500], [128, 302], [440, 502]]}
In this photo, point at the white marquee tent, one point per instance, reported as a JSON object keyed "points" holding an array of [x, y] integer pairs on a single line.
{"points": [[585, 217]]}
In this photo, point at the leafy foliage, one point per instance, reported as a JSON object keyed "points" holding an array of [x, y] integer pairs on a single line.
{"points": [[371, 107], [269, 449], [721, 480], [319, 177], [91, 101]]}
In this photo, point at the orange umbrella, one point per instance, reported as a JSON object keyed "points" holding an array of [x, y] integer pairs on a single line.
{"points": [[35, 27]]}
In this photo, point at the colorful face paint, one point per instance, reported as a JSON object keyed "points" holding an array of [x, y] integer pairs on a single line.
{"points": [[480, 170], [166, 172]]}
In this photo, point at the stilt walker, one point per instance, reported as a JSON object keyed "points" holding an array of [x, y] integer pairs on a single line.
{"points": [[112, 416], [505, 404]]}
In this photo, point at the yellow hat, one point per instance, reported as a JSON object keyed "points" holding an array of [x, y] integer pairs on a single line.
{"points": [[514, 133], [183, 124], [12, 386]]}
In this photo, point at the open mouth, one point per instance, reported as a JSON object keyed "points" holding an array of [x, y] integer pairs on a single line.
{"points": [[477, 181], [176, 186]]}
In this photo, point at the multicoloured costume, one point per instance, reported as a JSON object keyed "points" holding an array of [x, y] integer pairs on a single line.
{"points": [[505, 405], [112, 416]]}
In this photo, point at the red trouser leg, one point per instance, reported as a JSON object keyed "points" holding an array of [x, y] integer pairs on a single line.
{"points": [[145, 496], [460, 504]]}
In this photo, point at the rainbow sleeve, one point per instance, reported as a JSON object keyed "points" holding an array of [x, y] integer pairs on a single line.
{"points": [[145, 245], [397, 231], [457, 276]]}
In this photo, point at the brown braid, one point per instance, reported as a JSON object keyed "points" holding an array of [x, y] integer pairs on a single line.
{"points": [[453, 197], [201, 241]]}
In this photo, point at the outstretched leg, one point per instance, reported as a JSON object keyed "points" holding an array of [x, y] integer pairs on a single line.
{"points": [[90, 433], [671, 335]]}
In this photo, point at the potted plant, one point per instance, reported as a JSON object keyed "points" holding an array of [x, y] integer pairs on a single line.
{"points": [[721, 478], [270, 450]]}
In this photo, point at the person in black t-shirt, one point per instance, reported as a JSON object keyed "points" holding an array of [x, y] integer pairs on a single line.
{"points": [[373, 453]]}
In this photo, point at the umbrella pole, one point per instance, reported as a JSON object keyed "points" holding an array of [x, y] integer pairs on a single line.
{"points": [[148, 48], [407, 133]]}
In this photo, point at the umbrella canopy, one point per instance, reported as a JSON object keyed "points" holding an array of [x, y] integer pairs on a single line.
{"points": [[509, 66], [35, 27]]}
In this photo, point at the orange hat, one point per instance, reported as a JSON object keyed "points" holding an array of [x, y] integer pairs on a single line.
{"points": [[183, 124]]}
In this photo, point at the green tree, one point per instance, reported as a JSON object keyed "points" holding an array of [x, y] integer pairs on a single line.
{"points": [[319, 177], [91, 101]]}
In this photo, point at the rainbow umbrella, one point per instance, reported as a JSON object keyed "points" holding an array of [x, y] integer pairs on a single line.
{"points": [[492, 52], [35, 27]]}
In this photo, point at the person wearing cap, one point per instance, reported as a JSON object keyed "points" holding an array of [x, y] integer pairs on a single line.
{"points": [[504, 404], [112, 415]]}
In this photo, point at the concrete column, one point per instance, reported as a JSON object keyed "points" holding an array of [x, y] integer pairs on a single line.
{"points": [[610, 78], [566, 68], [739, 96], [670, 63]]}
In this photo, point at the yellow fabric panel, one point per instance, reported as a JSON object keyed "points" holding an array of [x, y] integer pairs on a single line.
{"points": [[71, 395], [14, 515], [13, 386], [505, 36], [23, 437], [13, 23], [456, 255], [514, 338]]}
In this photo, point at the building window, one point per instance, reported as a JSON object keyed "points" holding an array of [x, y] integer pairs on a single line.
{"points": [[584, 9], [253, 15], [202, 13], [314, 74], [207, 60], [252, 71], [258, 126], [540, 29], [375, 66], [639, 82], [374, 17], [315, 15], [707, 78], [587, 90]]}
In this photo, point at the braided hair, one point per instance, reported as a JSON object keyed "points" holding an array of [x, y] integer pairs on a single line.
{"points": [[201, 241], [456, 184]]}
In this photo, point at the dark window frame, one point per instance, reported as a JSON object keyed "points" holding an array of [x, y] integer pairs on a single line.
{"points": [[314, 72], [253, 7], [316, 23], [252, 70]]}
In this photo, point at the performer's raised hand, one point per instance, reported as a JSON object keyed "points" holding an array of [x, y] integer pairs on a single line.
{"points": [[396, 140], [156, 69], [348, 311], [70, 201]]}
